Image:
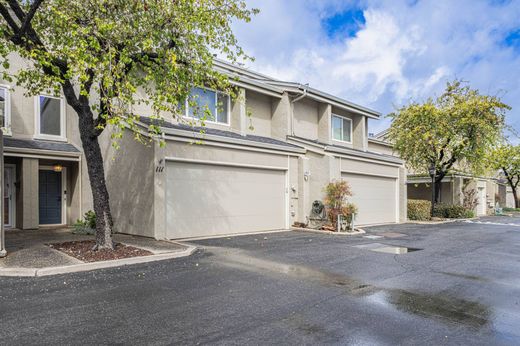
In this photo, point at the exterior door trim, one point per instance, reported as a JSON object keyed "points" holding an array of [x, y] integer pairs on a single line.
{"points": [[12, 202], [63, 194]]}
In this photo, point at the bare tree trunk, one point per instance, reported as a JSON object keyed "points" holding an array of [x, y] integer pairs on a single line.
{"points": [[96, 174]]}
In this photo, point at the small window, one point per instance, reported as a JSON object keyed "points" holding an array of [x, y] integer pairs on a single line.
{"points": [[341, 129], [5, 116], [208, 105], [50, 117]]}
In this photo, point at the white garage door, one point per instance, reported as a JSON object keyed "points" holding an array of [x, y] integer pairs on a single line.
{"points": [[208, 200], [375, 198]]}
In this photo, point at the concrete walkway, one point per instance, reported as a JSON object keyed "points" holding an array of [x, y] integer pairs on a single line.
{"points": [[29, 255]]}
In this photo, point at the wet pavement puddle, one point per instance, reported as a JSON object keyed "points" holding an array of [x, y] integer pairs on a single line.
{"points": [[373, 236], [438, 306], [391, 249], [393, 235]]}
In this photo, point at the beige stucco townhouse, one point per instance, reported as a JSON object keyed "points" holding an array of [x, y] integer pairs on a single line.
{"points": [[263, 159], [487, 190]]}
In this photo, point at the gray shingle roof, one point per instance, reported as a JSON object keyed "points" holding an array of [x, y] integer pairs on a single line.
{"points": [[333, 147], [39, 145], [217, 132]]}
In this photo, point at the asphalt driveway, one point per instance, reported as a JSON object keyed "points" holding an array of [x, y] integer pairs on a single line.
{"points": [[461, 287]]}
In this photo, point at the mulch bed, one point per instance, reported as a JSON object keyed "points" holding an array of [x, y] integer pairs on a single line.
{"points": [[82, 250]]}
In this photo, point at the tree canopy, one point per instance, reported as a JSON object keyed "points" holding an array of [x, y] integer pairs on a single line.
{"points": [[506, 157], [124, 52], [457, 128], [109, 56]]}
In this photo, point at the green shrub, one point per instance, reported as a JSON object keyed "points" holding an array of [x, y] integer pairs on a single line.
{"points": [[450, 211], [336, 195], [511, 209], [419, 209], [87, 225]]}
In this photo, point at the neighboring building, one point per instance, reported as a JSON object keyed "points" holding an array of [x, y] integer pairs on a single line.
{"points": [[488, 190], [265, 157]]}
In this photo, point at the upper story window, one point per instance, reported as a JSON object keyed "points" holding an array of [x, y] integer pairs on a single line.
{"points": [[5, 108], [208, 105], [341, 129], [50, 117]]}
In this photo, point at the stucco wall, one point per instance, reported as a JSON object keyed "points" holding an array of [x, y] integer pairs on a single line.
{"points": [[130, 182], [281, 115], [22, 107], [319, 168], [306, 119], [363, 167], [380, 148], [259, 119]]}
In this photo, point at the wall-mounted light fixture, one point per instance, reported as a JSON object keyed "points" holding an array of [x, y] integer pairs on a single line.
{"points": [[306, 175], [57, 167]]}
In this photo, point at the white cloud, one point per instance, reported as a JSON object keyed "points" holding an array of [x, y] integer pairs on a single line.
{"points": [[404, 51]]}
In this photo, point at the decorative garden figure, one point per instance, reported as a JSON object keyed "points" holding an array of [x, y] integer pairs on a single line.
{"points": [[318, 216]]}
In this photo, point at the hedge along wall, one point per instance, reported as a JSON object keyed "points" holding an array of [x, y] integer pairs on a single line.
{"points": [[419, 209]]}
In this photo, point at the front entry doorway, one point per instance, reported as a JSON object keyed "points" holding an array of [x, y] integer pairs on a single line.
{"points": [[9, 195], [50, 197]]}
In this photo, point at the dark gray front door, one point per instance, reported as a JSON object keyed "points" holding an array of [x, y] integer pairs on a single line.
{"points": [[50, 197]]}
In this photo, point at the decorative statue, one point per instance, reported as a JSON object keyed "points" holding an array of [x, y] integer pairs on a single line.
{"points": [[318, 216]]}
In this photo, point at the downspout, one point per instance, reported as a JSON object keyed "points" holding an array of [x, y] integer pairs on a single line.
{"points": [[293, 101]]}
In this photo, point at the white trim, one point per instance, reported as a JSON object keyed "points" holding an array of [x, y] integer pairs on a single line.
{"points": [[287, 195], [374, 161], [228, 123], [12, 199], [228, 164], [397, 201], [63, 196], [211, 140], [42, 156], [7, 119], [342, 124], [63, 125], [370, 174], [367, 159], [249, 86]]}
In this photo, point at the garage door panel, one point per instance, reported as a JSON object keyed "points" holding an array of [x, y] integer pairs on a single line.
{"points": [[374, 196], [206, 200]]}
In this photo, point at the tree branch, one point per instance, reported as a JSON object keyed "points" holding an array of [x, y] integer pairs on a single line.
{"points": [[15, 6], [26, 24], [7, 16]]}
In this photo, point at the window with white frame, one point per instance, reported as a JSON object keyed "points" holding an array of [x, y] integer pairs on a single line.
{"points": [[341, 129], [208, 105], [5, 116], [50, 117]]}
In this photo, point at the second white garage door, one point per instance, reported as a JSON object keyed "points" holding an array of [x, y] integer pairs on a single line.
{"points": [[209, 200], [375, 198]]}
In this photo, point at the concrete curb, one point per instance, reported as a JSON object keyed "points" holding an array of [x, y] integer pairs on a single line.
{"points": [[438, 222], [75, 268], [310, 230]]}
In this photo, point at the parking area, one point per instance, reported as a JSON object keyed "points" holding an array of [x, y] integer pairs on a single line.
{"points": [[460, 286]]}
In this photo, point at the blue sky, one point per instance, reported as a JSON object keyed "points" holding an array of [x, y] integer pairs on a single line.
{"points": [[382, 54]]}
